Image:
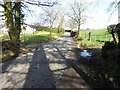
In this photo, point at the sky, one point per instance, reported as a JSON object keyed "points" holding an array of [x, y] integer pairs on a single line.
{"points": [[98, 17]]}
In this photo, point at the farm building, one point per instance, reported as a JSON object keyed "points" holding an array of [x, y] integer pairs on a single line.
{"points": [[28, 29]]}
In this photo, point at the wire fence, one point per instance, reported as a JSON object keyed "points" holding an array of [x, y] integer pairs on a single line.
{"points": [[99, 38]]}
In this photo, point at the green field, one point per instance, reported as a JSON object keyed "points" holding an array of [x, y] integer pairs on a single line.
{"points": [[95, 32], [98, 37], [38, 36]]}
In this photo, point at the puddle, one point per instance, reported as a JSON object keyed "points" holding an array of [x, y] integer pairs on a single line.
{"points": [[85, 54]]}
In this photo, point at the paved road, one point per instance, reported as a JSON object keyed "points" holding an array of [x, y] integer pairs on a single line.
{"points": [[47, 66]]}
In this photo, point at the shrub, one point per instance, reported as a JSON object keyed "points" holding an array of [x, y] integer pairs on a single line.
{"points": [[108, 46], [9, 45], [111, 62], [54, 30], [42, 28]]}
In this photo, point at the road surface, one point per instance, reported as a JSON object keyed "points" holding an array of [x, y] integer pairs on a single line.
{"points": [[49, 65]]}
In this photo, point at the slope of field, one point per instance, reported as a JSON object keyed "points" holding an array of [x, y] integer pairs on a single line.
{"points": [[97, 37], [95, 32]]}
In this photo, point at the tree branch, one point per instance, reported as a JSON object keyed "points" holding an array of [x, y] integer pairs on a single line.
{"points": [[2, 19], [48, 4], [2, 15], [3, 5], [26, 8]]}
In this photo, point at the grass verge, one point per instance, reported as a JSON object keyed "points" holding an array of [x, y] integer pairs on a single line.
{"points": [[36, 37], [98, 37]]}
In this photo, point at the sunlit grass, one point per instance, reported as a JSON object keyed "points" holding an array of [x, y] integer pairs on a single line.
{"points": [[95, 32], [1, 56], [86, 43], [38, 36], [1, 35], [98, 37], [4, 37]]}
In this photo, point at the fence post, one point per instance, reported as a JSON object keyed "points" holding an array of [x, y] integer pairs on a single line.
{"points": [[100, 38], [95, 37], [106, 37]]}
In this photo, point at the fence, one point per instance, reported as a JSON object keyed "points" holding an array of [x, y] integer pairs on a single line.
{"points": [[99, 38]]}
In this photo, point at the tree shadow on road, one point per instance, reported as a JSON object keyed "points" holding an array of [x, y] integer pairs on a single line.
{"points": [[68, 79], [96, 82], [93, 76], [39, 74]]}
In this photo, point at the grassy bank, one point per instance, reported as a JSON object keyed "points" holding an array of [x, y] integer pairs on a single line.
{"points": [[95, 32], [98, 37], [38, 36]]}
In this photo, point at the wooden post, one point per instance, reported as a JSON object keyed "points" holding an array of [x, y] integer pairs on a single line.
{"points": [[89, 36], [100, 38], [106, 37], [95, 37]]}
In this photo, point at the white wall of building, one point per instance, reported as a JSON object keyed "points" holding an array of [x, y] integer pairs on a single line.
{"points": [[3, 30], [28, 30]]}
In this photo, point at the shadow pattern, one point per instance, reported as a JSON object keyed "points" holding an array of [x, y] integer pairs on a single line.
{"points": [[39, 75]]}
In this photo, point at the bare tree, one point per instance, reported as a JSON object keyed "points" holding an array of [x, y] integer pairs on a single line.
{"points": [[72, 24], [13, 14], [60, 23], [113, 6], [115, 29], [112, 30], [77, 13], [51, 15]]}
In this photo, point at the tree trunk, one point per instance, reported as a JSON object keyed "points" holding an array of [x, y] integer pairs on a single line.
{"points": [[58, 29], [118, 33], [119, 40], [114, 39], [17, 24], [12, 19], [89, 36], [9, 19], [78, 31], [51, 27]]}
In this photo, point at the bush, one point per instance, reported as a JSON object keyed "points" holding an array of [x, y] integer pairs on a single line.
{"points": [[54, 30], [108, 46], [9, 45], [111, 63], [42, 28], [80, 39], [9, 50]]}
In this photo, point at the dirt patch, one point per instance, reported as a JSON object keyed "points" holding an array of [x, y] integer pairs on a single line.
{"points": [[9, 55]]}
